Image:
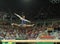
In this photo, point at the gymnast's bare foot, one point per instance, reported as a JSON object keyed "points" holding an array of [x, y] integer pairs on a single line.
{"points": [[33, 24]]}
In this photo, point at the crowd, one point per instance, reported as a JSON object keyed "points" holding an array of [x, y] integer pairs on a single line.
{"points": [[8, 32]]}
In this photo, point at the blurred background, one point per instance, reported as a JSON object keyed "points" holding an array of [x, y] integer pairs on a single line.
{"points": [[45, 14]]}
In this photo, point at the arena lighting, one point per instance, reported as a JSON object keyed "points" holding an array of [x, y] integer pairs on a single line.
{"points": [[26, 1], [54, 1]]}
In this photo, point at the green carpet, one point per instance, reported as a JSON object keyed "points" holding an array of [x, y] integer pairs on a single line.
{"points": [[44, 43]]}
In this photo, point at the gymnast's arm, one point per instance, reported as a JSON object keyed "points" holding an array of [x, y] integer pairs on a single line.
{"points": [[22, 18]]}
